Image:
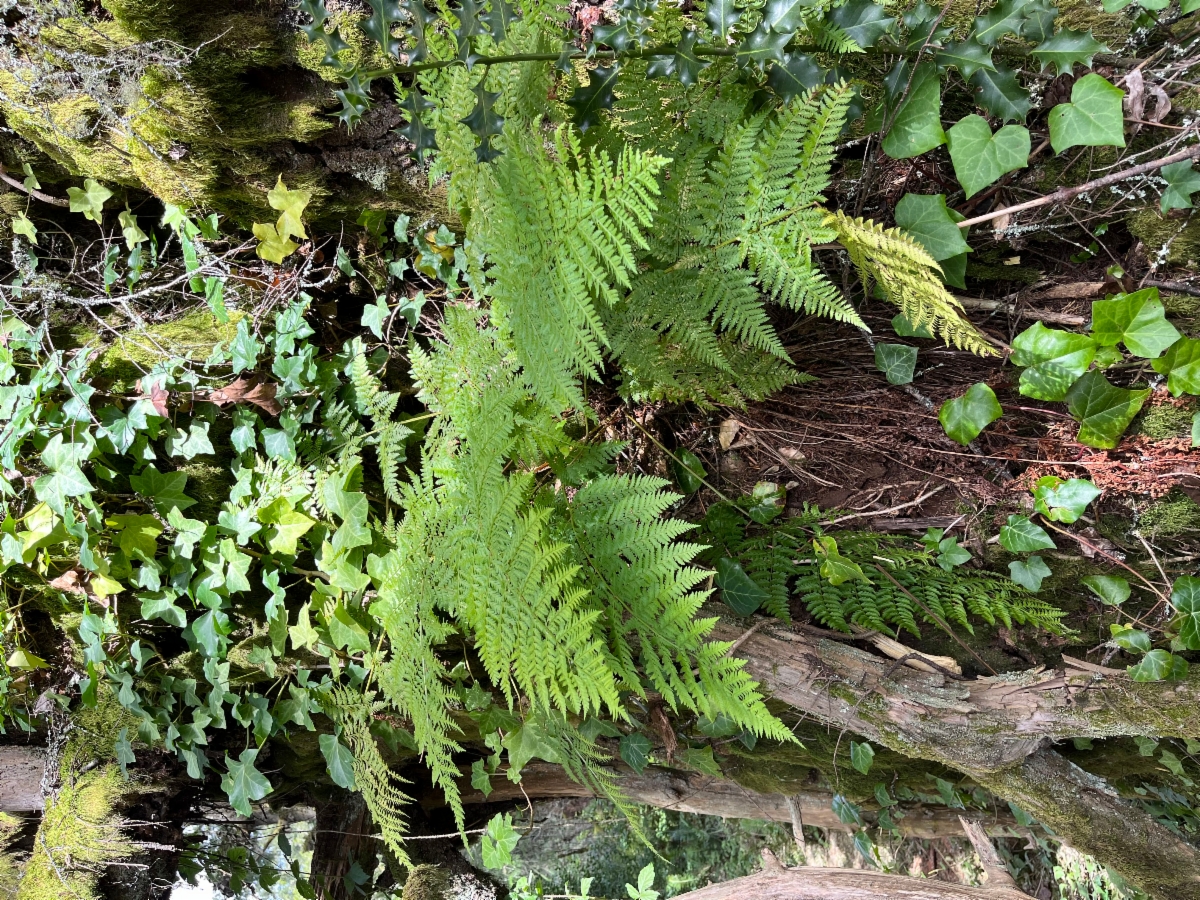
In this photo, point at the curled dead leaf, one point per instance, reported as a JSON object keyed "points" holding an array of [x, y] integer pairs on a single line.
{"points": [[158, 398], [69, 581], [244, 390], [728, 433]]}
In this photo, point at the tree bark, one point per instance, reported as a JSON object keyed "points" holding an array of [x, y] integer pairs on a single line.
{"points": [[21, 771], [997, 731], [806, 883]]}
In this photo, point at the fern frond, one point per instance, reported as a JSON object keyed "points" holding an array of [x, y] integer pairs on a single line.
{"points": [[908, 277]]}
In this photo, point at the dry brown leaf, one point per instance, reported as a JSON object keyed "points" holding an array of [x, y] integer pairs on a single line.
{"points": [[1135, 97], [728, 433], [259, 393], [68, 581], [158, 398], [1162, 104]]}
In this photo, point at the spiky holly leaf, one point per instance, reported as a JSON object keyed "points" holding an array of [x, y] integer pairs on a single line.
{"points": [[924, 28], [786, 16], [687, 64], [485, 122], [618, 36], [722, 16], [418, 133], [356, 100], [1006, 17], [598, 95], [1039, 21], [760, 48], [316, 9], [468, 21], [384, 15], [499, 17], [1001, 95], [418, 30], [1182, 181], [863, 21], [967, 56], [1067, 48], [798, 73]]}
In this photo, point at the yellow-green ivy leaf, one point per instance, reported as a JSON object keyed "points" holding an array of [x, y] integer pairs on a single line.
{"points": [[89, 199]]}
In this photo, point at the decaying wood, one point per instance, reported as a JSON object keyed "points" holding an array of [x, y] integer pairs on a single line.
{"points": [[993, 866], [21, 771], [697, 793], [998, 731]]}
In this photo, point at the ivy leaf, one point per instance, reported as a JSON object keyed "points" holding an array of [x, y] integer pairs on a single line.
{"points": [[290, 204], [1159, 665], [689, 471], [191, 443], [22, 225], [244, 348], [926, 218], [123, 750], [760, 48], [374, 315], [1001, 95], [924, 28], [950, 554], [835, 568], [273, 246], [721, 16], [861, 756], [243, 783], [161, 605], [1102, 409], [980, 158], [635, 751], [1182, 181], [1093, 118], [24, 659], [1020, 535], [89, 199], [1067, 48], [338, 760], [1006, 17], [1053, 360], [738, 590], [796, 74], [847, 811], [967, 56], [1138, 320], [863, 21], [1113, 590], [1185, 598], [499, 841], [1181, 365], [1029, 573], [1130, 639], [289, 525], [166, 490], [963, 418], [137, 535], [129, 229], [1063, 501], [589, 101], [904, 328], [896, 361], [417, 132], [917, 125]]}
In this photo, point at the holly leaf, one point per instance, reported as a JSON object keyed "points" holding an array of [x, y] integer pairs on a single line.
{"points": [[786, 16], [417, 132], [89, 199], [1182, 181], [963, 418], [1039, 20], [499, 18], [863, 21], [1006, 17], [1053, 360], [980, 158], [1067, 48], [1020, 535], [1138, 320], [761, 47], [1093, 118], [385, 14], [1001, 95], [721, 16], [738, 590], [1102, 409], [967, 56], [796, 74], [927, 218], [1181, 365], [598, 94], [1113, 590], [917, 125], [243, 783], [635, 751], [1029, 573], [339, 761], [896, 361], [924, 28]]}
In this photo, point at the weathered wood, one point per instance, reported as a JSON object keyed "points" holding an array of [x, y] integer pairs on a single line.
{"points": [[21, 771]]}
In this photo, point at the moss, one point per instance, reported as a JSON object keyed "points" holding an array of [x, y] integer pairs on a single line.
{"points": [[991, 265], [1171, 516], [94, 731], [362, 52], [209, 485], [1165, 420], [1180, 236], [1086, 15], [78, 836], [427, 883], [192, 336]]}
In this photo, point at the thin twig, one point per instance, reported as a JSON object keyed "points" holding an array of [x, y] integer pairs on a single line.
{"points": [[891, 509]]}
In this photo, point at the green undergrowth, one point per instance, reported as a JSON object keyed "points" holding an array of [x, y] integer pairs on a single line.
{"points": [[1173, 516]]}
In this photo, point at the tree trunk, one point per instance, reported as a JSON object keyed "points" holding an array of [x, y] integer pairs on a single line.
{"points": [[997, 731], [805, 883]]}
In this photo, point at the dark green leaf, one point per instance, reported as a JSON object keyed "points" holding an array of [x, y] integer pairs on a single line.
{"points": [[1181, 365], [796, 75], [967, 56], [1102, 410], [1182, 181], [896, 361], [721, 16], [1006, 17], [243, 783], [861, 756], [1185, 597], [1001, 95], [635, 751], [926, 218], [738, 590], [1113, 590], [597, 95], [1159, 665], [688, 470], [1029, 573], [863, 21], [484, 122], [1020, 535], [917, 125], [338, 760], [760, 48], [1067, 48]]}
